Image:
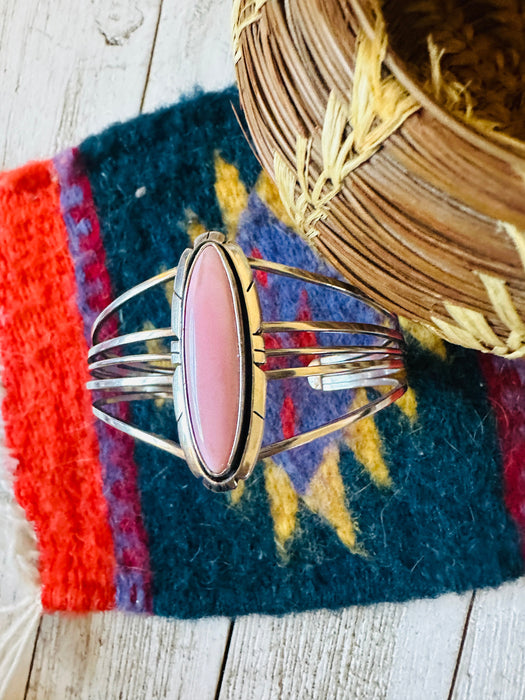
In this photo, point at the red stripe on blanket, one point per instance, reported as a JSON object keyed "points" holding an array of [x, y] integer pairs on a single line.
{"points": [[43, 351], [507, 395]]}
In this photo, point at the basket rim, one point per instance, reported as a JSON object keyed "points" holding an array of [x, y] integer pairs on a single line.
{"points": [[504, 147]]}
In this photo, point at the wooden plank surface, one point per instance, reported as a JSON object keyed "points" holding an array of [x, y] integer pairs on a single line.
{"points": [[69, 69], [492, 663], [192, 50], [383, 651], [127, 656]]}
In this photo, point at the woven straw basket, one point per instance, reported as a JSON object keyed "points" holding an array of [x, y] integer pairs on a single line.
{"points": [[396, 136]]}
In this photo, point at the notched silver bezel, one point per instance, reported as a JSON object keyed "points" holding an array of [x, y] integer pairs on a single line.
{"points": [[248, 312]]}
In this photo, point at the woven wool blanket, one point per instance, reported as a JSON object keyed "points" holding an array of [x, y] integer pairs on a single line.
{"points": [[426, 497]]}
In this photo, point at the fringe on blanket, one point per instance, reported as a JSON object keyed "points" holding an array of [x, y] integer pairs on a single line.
{"points": [[20, 591]]}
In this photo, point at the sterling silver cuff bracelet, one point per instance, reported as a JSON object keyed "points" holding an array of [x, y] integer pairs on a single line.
{"points": [[216, 372]]}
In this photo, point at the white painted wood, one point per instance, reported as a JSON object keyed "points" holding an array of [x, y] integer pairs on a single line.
{"points": [[384, 651], [492, 664], [427, 642], [69, 69], [110, 656], [193, 49]]}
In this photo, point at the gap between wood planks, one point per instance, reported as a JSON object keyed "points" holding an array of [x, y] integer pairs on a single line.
{"points": [[153, 45], [461, 645], [26, 691], [224, 660]]}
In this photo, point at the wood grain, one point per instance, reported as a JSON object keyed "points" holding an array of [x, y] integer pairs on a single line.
{"points": [[492, 664], [127, 656], [69, 69], [192, 49], [384, 651]]}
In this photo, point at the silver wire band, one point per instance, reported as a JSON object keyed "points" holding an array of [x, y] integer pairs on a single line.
{"points": [[368, 368], [151, 438], [336, 424], [130, 382], [130, 363], [331, 327], [322, 350], [130, 339], [110, 309], [313, 278]]}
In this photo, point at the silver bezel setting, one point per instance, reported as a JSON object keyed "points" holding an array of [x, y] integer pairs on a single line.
{"points": [[250, 424]]}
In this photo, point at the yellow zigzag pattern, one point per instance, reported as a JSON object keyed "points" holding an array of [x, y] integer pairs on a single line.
{"points": [[194, 227], [326, 497], [284, 503], [425, 337], [269, 194], [408, 404], [365, 442], [237, 494], [231, 194]]}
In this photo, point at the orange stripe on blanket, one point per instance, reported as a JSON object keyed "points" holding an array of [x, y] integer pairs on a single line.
{"points": [[47, 409]]}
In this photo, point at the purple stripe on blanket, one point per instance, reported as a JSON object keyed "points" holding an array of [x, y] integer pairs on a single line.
{"points": [[119, 471]]}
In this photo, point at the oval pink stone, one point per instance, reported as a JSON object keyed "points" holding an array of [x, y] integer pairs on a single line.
{"points": [[212, 360]]}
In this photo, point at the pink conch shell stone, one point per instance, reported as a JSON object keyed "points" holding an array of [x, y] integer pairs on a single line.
{"points": [[212, 360]]}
